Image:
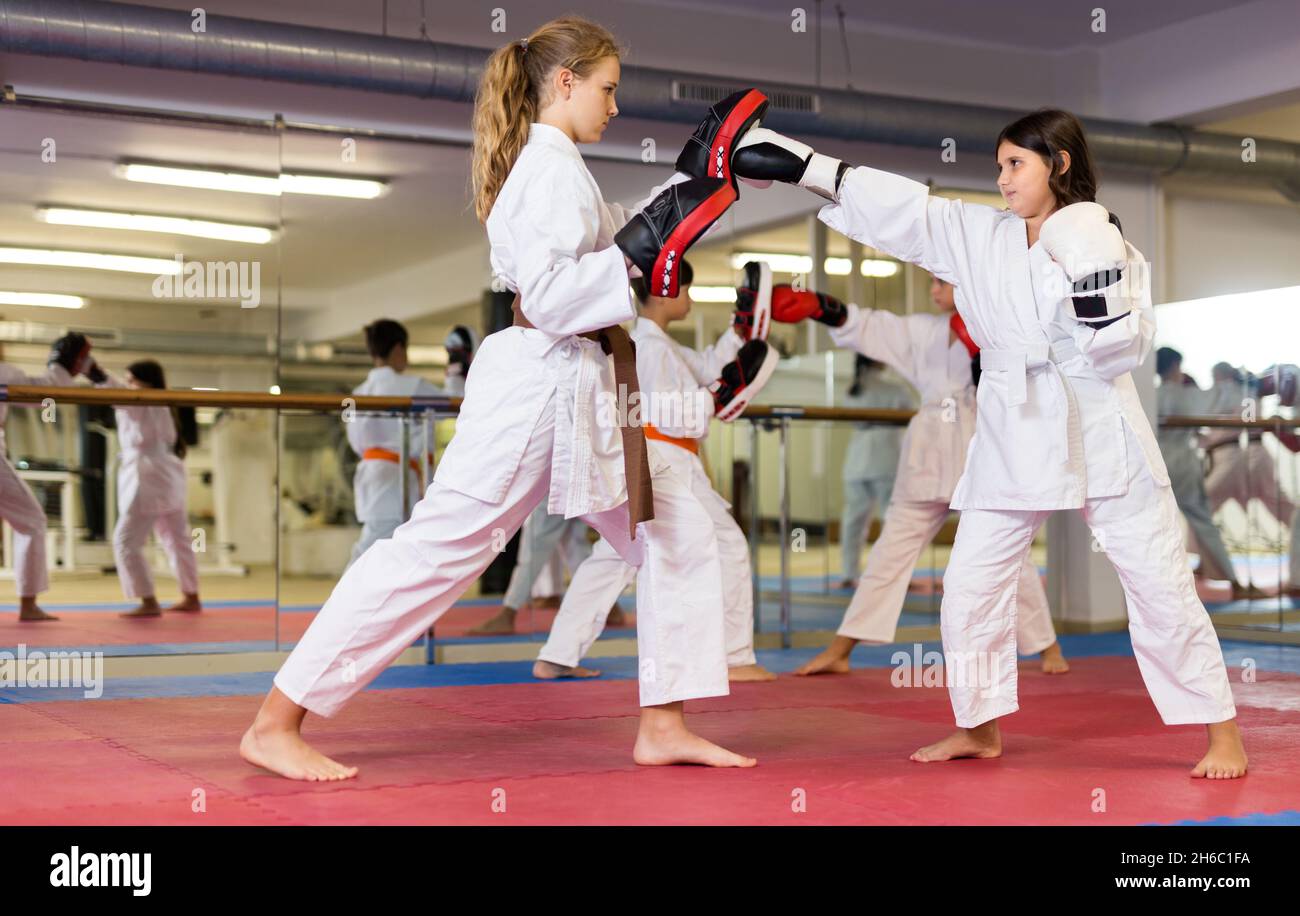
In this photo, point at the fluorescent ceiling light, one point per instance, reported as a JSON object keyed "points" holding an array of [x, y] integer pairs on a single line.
{"points": [[780, 263], [713, 293], [802, 264], [252, 183], [144, 222], [48, 300], [90, 260], [876, 267]]}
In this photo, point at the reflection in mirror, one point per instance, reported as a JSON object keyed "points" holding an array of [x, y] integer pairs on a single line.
{"points": [[1235, 477], [137, 510]]}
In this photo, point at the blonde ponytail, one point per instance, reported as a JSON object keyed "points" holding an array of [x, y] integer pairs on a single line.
{"points": [[509, 97]]}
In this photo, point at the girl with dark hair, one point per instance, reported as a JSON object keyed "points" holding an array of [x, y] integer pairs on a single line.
{"points": [[151, 491], [1057, 301]]}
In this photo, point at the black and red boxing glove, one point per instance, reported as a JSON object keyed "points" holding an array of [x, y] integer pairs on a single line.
{"points": [[708, 152], [958, 327], [657, 238], [790, 306], [753, 315]]}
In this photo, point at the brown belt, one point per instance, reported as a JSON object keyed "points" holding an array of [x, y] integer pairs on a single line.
{"points": [[614, 341]]}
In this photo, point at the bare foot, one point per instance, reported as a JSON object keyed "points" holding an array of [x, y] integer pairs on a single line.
{"points": [[982, 741], [549, 671], [749, 673], [286, 754], [663, 740], [1247, 592], [1226, 757], [616, 617], [29, 610], [274, 742], [189, 604], [1053, 660], [548, 603], [834, 659], [501, 623], [148, 608]]}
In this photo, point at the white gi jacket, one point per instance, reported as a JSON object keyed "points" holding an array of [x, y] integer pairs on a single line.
{"points": [[150, 476], [552, 241], [917, 348], [1054, 394], [677, 374], [377, 485]]}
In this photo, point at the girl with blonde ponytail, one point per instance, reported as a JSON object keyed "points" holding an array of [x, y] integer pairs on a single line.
{"points": [[533, 425]]}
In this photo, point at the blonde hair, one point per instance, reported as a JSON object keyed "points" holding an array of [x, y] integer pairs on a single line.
{"points": [[509, 99]]}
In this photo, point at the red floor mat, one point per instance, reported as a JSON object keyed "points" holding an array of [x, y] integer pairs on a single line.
{"points": [[106, 628], [561, 752]]}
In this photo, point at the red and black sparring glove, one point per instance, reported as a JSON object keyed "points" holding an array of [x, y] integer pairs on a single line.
{"points": [[708, 152], [958, 327], [753, 316], [790, 306], [742, 378], [657, 238]]}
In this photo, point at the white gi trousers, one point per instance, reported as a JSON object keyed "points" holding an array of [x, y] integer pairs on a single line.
{"points": [[375, 529], [604, 575], [543, 537], [873, 612], [864, 498], [129, 537], [1188, 484], [401, 586], [19, 508], [1175, 644]]}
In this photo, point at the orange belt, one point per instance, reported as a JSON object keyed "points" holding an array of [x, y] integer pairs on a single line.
{"points": [[691, 445], [376, 453]]}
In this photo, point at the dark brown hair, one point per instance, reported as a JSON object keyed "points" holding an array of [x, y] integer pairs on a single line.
{"points": [[150, 374], [1050, 132]]}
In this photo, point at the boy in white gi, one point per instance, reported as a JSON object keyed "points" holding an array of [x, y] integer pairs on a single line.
{"points": [[682, 390], [377, 438]]}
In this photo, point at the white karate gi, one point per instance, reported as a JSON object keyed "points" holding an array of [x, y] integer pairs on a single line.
{"points": [[675, 374], [18, 505], [1187, 475], [528, 431], [934, 450], [1059, 426], [870, 463], [545, 543], [150, 497], [377, 484]]}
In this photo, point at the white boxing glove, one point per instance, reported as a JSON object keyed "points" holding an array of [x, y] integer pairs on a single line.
{"points": [[1089, 246], [764, 155]]}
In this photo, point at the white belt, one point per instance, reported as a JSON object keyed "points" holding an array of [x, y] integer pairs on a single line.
{"points": [[1019, 363], [1034, 357]]}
